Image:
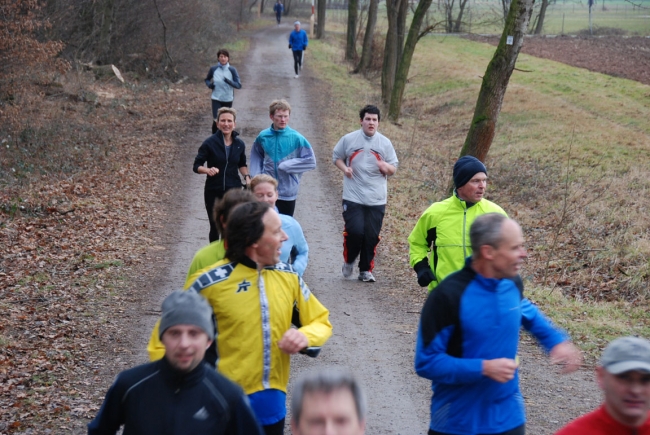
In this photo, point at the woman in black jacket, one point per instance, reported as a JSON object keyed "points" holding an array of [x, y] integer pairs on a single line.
{"points": [[225, 155]]}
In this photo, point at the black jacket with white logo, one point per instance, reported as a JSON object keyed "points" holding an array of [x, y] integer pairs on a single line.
{"points": [[156, 399]]}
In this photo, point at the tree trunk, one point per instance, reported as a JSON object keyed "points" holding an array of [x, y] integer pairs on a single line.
{"points": [[505, 4], [287, 8], [261, 6], [401, 27], [459, 19], [351, 45], [390, 51], [540, 18], [320, 29], [495, 81], [104, 18], [366, 53], [449, 22], [407, 56]]}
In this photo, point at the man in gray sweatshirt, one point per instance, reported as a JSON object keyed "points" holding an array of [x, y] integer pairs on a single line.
{"points": [[366, 158]]}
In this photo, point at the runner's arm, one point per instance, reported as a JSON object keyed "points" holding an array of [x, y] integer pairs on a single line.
{"points": [[298, 238], [306, 162], [257, 159]]}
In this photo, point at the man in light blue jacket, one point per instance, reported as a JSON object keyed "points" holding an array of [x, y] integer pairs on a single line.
{"points": [[284, 154], [298, 43]]}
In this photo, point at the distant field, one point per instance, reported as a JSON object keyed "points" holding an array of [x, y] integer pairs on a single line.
{"points": [[568, 17]]}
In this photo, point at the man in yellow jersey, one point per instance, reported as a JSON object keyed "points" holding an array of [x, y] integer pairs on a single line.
{"points": [[254, 298]]}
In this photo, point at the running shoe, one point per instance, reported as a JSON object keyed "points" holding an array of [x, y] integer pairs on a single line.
{"points": [[347, 269], [366, 276]]}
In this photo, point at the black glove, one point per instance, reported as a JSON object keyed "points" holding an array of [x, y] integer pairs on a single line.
{"points": [[211, 86], [289, 45], [227, 81], [304, 49], [425, 276]]}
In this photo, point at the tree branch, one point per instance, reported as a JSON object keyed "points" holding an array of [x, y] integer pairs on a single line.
{"points": [[171, 61], [637, 5]]}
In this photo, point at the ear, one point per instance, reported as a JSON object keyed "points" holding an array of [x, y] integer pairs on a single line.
{"points": [[209, 344], [271, 116], [487, 252]]}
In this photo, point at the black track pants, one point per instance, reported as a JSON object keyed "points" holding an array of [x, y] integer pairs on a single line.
{"points": [[361, 235]]}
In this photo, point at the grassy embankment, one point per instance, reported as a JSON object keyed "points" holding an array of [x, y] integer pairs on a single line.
{"points": [[569, 162]]}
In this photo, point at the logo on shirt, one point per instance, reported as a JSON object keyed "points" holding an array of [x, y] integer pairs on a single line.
{"points": [[202, 414], [243, 286]]}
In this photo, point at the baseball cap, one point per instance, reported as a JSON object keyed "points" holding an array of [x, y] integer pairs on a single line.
{"points": [[625, 354]]}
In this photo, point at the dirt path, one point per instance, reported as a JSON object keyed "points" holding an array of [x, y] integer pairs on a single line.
{"points": [[373, 335], [365, 338]]}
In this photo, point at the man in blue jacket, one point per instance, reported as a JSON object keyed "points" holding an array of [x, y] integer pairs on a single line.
{"points": [[298, 43], [469, 332], [178, 394], [284, 154]]}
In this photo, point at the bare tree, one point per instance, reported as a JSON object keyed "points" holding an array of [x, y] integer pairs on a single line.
{"points": [[540, 18], [366, 53], [495, 81], [414, 36], [351, 40], [322, 8], [389, 65], [453, 24], [402, 12]]}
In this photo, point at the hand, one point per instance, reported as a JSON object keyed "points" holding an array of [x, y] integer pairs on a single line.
{"points": [[289, 45], [211, 172], [566, 355], [293, 341], [247, 180], [425, 276], [384, 167], [304, 48], [211, 86], [501, 370], [347, 172]]}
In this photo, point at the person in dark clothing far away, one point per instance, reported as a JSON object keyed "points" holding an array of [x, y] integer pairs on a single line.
{"points": [[278, 8], [178, 394]]}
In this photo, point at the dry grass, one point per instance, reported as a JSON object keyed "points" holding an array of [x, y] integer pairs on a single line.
{"points": [[569, 162]]}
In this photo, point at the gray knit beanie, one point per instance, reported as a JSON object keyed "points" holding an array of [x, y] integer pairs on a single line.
{"points": [[186, 308], [465, 168]]}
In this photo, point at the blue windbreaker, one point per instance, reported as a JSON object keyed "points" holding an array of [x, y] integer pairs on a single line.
{"points": [[284, 155], [468, 319]]}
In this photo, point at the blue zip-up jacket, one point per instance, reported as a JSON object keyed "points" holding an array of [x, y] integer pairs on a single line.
{"points": [[298, 40], [468, 319], [222, 79], [156, 399], [284, 155]]}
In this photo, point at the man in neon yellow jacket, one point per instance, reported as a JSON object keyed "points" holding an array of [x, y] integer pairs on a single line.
{"points": [[253, 299], [442, 232]]}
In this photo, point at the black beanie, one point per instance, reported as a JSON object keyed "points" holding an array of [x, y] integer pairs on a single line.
{"points": [[465, 168], [186, 308]]}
